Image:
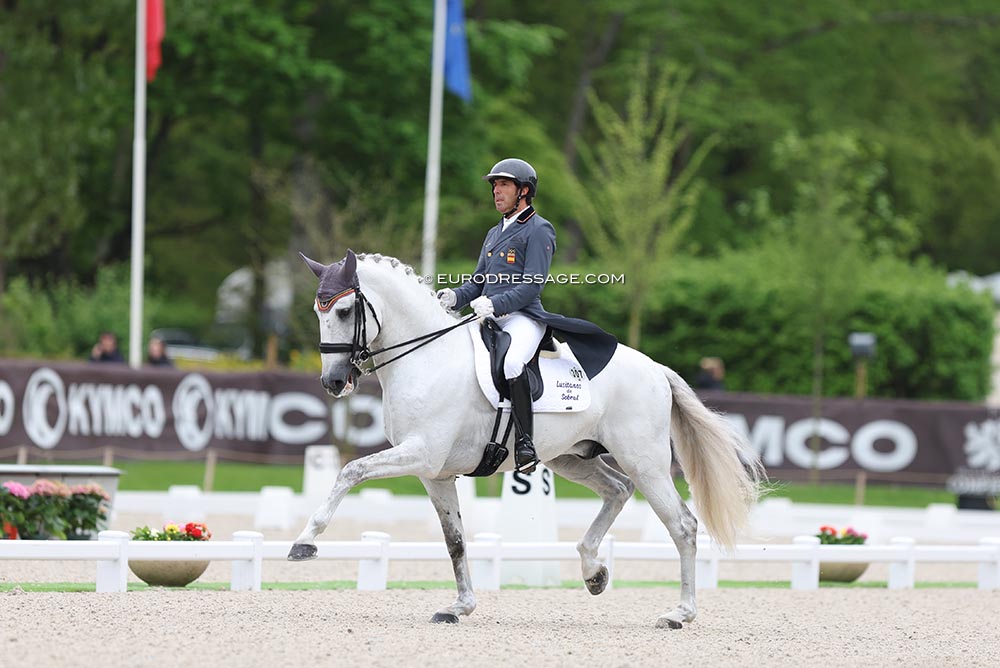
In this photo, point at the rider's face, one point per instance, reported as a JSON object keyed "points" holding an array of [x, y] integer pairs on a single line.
{"points": [[504, 194]]}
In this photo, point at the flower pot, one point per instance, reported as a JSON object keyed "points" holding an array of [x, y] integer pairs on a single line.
{"points": [[833, 572], [167, 573]]}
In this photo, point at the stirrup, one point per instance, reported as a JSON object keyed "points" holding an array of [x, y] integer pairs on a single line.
{"points": [[527, 466]]}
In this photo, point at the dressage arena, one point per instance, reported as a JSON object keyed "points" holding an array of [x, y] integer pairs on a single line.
{"points": [[513, 627]]}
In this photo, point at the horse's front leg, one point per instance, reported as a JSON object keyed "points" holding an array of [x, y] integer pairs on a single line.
{"points": [[445, 499], [398, 461]]}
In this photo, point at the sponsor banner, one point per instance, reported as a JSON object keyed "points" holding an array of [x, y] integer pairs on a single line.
{"points": [[916, 441], [81, 406], [71, 406]]}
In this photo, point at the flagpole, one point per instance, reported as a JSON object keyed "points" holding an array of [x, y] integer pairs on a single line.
{"points": [[138, 190], [432, 182]]}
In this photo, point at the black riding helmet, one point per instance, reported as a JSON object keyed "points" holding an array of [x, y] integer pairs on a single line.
{"points": [[518, 171]]}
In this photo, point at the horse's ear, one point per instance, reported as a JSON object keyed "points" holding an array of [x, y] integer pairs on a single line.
{"points": [[350, 263], [316, 267]]}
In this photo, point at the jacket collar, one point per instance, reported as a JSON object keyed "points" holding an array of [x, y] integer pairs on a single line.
{"points": [[502, 234]]}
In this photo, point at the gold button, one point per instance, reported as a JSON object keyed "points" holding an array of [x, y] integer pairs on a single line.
{"points": [[489, 255]]}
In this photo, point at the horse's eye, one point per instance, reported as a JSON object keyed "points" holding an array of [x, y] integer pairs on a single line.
{"points": [[343, 313]]}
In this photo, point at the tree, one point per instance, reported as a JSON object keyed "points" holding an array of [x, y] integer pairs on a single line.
{"points": [[837, 221], [639, 195]]}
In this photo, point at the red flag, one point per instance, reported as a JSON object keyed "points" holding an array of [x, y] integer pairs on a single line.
{"points": [[156, 27]]}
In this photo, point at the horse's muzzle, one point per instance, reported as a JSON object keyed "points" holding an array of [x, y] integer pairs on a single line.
{"points": [[340, 384]]}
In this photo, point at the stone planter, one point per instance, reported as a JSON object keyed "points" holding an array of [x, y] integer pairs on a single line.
{"points": [[833, 572], [167, 573]]}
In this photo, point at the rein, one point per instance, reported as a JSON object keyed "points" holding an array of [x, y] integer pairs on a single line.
{"points": [[358, 347]]}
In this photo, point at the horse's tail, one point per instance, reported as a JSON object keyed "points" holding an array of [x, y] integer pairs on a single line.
{"points": [[723, 471]]}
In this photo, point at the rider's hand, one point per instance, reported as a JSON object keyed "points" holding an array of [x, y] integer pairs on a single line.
{"points": [[447, 298], [482, 306]]}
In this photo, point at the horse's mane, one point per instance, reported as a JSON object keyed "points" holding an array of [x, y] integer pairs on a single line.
{"points": [[397, 265]]}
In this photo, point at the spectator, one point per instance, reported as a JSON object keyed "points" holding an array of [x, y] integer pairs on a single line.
{"points": [[106, 349], [156, 353], [712, 374]]}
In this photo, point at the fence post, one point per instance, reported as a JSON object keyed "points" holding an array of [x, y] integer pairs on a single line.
{"points": [[109, 456], [902, 573], [22, 455], [112, 575], [486, 572], [373, 574], [246, 573], [989, 570], [211, 457], [706, 569], [805, 572]]}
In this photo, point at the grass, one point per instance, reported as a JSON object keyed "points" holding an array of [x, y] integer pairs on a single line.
{"points": [[235, 477], [336, 585]]}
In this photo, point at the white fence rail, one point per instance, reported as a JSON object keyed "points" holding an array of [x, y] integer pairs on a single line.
{"points": [[487, 552]]}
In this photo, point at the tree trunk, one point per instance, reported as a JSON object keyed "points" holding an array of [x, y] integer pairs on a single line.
{"points": [[635, 319], [817, 398], [257, 252]]}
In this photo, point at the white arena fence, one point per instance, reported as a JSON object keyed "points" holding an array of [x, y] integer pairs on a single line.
{"points": [[487, 552]]}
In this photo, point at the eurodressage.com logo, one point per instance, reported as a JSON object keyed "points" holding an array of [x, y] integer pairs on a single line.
{"points": [[529, 279]]}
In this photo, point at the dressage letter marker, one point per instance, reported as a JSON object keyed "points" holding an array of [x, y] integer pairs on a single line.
{"points": [[528, 514]]}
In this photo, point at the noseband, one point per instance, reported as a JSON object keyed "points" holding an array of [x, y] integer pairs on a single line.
{"points": [[358, 348]]}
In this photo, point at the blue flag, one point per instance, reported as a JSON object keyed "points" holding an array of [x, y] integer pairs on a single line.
{"points": [[456, 53]]}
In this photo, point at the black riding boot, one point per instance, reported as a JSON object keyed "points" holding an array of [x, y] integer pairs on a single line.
{"points": [[520, 408]]}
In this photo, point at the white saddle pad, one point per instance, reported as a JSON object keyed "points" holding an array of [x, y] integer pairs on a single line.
{"points": [[567, 388]]}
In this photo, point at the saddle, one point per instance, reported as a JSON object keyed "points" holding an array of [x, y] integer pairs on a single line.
{"points": [[497, 342]]}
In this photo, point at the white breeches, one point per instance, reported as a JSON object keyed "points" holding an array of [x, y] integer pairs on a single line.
{"points": [[525, 335]]}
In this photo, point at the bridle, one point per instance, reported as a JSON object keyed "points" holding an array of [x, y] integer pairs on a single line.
{"points": [[358, 348]]}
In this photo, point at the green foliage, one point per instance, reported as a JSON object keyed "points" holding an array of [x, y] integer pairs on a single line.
{"points": [[934, 341], [637, 204], [64, 319]]}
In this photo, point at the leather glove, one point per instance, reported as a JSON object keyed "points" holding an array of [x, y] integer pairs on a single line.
{"points": [[482, 306], [447, 298]]}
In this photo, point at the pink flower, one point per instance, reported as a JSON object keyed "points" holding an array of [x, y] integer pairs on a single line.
{"points": [[17, 489], [94, 489], [43, 487]]}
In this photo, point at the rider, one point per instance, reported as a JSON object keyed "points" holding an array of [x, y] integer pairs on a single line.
{"points": [[509, 277]]}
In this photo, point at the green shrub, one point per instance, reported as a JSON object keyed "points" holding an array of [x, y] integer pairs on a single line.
{"points": [[934, 341]]}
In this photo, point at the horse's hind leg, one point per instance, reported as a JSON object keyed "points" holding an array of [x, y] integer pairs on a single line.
{"points": [[615, 489], [404, 459], [658, 487], [445, 499]]}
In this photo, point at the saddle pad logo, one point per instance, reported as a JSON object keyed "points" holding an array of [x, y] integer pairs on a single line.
{"points": [[510, 256]]}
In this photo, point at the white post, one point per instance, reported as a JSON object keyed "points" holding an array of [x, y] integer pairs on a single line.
{"points": [[432, 180], [805, 572], [528, 514], [989, 571], [135, 348], [184, 504], [112, 576], [246, 573], [902, 573], [486, 572], [706, 570], [275, 508], [322, 464], [373, 574]]}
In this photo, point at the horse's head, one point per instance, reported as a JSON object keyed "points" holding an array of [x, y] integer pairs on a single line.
{"points": [[339, 327]]}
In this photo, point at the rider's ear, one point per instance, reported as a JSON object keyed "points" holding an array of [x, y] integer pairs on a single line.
{"points": [[316, 267]]}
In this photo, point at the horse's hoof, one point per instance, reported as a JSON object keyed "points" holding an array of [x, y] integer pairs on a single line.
{"points": [[599, 582], [444, 618], [302, 552], [664, 623]]}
